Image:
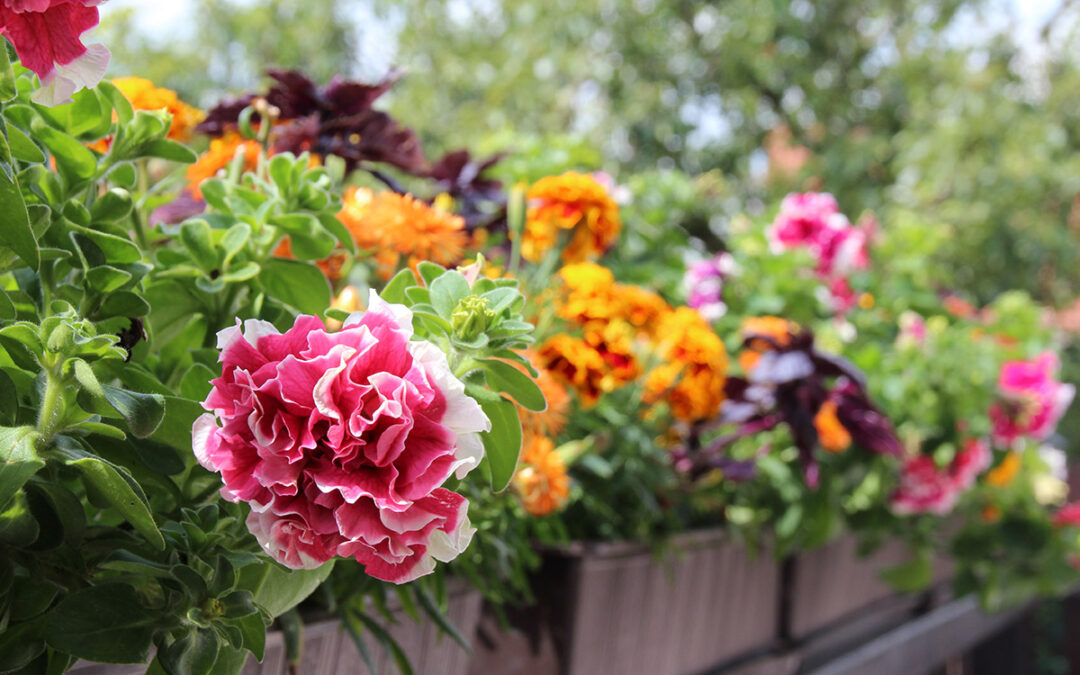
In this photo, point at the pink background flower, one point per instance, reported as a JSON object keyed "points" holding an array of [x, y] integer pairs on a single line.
{"points": [[925, 488], [341, 441], [1030, 400], [47, 35]]}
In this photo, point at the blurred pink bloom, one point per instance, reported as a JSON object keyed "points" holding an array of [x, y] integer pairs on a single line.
{"points": [[925, 488], [806, 220], [912, 329], [1030, 400], [340, 441], [704, 284], [47, 35], [1068, 515]]}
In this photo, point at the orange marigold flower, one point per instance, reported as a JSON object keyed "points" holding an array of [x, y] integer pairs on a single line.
{"points": [[761, 332], [553, 420], [613, 341], [143, 95], [1003, 474], [402, 228], [221, 153], [575, 202], [573, 361], [831, 434], [695, 364], [591, 294], [541, 481]]}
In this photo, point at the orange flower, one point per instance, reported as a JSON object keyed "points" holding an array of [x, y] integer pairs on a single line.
{"points": [[401, 227], [332, 267], [221, 153], [348, 300], [575, 202], [613, 341], [1004, 473], [958, 307], [831, 434], [573, 361], [552, 421], [541, 481], [591, 294], [143, 95], [692, 377], [762, 332], [991, 513]]}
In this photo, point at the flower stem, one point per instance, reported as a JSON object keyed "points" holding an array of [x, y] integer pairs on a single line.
{"points": [[53, 413]]}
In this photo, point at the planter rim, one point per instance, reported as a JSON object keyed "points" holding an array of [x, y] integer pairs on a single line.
{"points": [[620, 549]]}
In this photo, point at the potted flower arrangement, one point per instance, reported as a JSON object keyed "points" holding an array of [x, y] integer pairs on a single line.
{"points": [[192, 436]]}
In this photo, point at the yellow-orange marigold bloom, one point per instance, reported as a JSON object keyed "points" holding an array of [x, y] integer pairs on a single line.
{"points": [[832, 435], [143, 95], [591, 294], [572, 201], [541, 481], [553, 420], [643, 308], [218, 156], [1004, 473], [613, 341], [695, 364], [401, 228], [577, 364], [759, 331]]}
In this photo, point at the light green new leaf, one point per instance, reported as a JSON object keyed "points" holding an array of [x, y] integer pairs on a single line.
{"points": [[115, 484], [20, 459]]}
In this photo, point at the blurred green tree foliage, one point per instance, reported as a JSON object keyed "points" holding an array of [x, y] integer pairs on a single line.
{"points": [[926, 106]]}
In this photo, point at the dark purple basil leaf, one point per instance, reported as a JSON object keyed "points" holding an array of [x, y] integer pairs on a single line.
{"points": [[832, 365], [869, 428], [178, 210], [224, 116], [781, 367]]}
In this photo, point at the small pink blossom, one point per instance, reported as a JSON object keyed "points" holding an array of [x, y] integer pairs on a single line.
{"points": [[1030, 400], [340, 441], [1068, 515], [926, 488], [912, 329], [47, 35], [704, 284]]}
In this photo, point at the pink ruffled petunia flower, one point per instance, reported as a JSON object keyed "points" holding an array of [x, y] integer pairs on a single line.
{"points": [[47, 35], [926, 488], [806, 220], [812, 220], [704, 284], [340, 442], [1031, 400]]}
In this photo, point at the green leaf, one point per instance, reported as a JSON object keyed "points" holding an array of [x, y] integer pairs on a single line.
{"points": [[277, 589], [297, 284], [19, 645], [198, 239], [913, 575], [85, 376], [142, 412], [430, 271], [175, 428], [20, 458], [18, 527], [72, 158], [122, 303], [105, 623], [509, 380], [432, 609], [124, 111], [394, 291], [106, 278], [163, 148], [234, 241], [8, 90], [502, 445], [22, 148], [253, 630], [15, 231], [195, 384], [193, 654], [9, 400], [335, 227], [120, 489], [307, 238], [447, 291]]}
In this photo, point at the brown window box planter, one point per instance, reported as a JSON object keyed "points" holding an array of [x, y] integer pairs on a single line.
{"points": [[619, 608]]}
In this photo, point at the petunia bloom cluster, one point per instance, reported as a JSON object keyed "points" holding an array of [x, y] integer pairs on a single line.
{"points": [[47, 35], [1030, 400], [340, 442], [813, 221], [926, 488]]}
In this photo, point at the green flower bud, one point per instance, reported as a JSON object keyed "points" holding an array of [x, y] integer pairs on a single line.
{"points": [[472, 317]]}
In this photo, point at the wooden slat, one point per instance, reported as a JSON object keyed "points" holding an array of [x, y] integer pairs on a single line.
{"points": [[923, 645]]}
